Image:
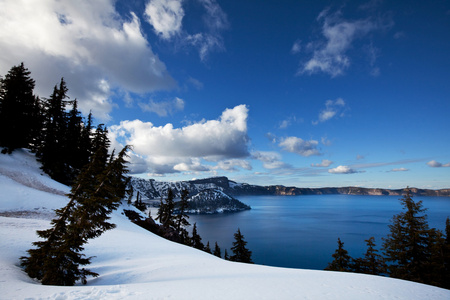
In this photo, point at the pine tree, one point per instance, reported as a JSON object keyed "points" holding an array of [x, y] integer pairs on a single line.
{"points": [[406, 248], [19, 110], [181, 218], [96, 193], [226, 256], [240, 252], [372, 262], [341, 261], [73, 139], [51, 151], [217, 252], [165, 211], [196, 239], [207, 248]]}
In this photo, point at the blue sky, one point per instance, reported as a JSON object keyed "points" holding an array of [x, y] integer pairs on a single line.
{"points": [[301, 93]]}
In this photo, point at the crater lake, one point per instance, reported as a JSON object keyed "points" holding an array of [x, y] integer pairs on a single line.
{"points": [[302, 231]]}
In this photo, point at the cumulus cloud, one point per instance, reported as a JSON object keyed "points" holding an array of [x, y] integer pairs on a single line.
{"points": [[164, 108], [165, 16], [271, 160], [165, 147], [86, 42], [324, 163], [342, 170], [435, 164], [299, 146], [332, 109], [330, 53]]}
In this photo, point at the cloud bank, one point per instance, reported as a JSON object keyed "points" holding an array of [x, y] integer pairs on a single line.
{"points": [[166, 149], [103, 51]]}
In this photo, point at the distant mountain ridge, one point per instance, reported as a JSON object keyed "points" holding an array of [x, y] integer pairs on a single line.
{"points": [[153, 189]]}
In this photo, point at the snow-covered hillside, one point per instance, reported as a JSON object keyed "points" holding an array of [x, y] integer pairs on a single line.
{"points": [[135, 264]]}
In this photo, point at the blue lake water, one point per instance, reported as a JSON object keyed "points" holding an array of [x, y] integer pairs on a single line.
{"points": [[302, 231]]}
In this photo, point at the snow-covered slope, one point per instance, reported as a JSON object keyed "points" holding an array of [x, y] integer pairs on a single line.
{"points": [[135, 264]]}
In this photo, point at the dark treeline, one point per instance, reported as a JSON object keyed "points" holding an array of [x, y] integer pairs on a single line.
{"points": [[52, 127], [411, 251], [72, 152], [173, 219]]}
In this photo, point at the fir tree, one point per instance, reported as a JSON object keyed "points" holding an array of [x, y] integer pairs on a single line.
{"points": [[240, 252], [406, 248], [207, 248], [225, 256], [51, 151], [96, 193], [372, 262], [196, 239], [341, 259], [181, 218], [165, 212], [19, 110], [73, 139], [217, 252]]}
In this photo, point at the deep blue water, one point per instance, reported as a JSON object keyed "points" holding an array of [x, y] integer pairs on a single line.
{"points": [[302, 231]]}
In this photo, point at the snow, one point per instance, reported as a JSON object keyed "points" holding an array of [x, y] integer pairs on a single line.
{"points": [[135, 264]]}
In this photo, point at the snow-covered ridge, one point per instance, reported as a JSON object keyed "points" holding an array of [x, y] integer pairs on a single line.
{"points": [[204, 197], [136, 264], [210, 201]]}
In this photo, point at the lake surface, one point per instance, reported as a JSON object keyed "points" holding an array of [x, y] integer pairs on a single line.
{"points": [[302, 231]]}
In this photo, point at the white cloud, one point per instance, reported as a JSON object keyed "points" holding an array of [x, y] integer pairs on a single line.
{"points": [[324, 163], [399, 170], [435, 164], [342, 170], [165, 147], [299, 146], [332, 109], [329, 54], [163, 109], [231, 164], [296, 48], [165, 16], [270, 160], [87, 43]]}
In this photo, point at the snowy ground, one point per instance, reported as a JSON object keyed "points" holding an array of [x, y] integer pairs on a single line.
{"points": [[135, 264]]}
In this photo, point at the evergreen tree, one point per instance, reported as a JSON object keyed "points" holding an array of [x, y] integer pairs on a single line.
{"points": [[372, 262], [341, 261], [86, 141], [73, 138], [19, 110], [181, 218], [407, 246], [207, 248], [225, 256], [96, 193], [217, 252], [51, 152], [165, 212], [196, 239], [240, 252]]}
